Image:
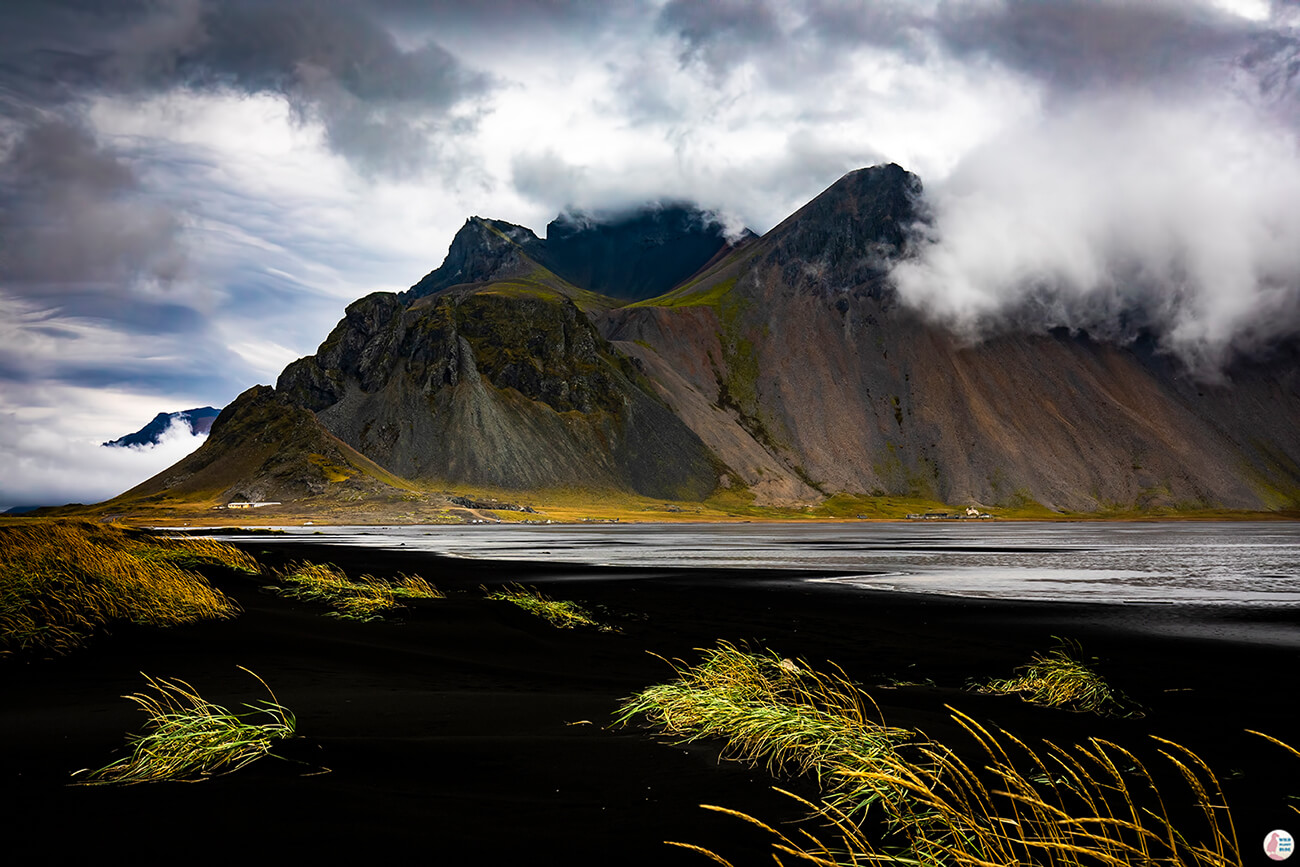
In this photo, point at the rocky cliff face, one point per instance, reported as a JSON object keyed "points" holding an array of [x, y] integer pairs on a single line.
{"points": [[502, 384]]}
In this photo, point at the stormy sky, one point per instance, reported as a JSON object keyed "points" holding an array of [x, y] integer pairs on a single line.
{"points": [[192, 190]]}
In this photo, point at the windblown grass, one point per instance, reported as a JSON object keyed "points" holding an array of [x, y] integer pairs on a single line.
{"points": [[60, 581], [190, 553], [561, 613], [188, 738], [366, 598], [895, 796], [775, 712], [1060, 678]]}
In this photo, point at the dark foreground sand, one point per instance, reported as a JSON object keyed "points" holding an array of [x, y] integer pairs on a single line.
{"points": [[472, 733]]}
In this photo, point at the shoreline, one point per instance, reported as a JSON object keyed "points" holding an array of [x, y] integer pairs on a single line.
{"points": [[472, 730]]}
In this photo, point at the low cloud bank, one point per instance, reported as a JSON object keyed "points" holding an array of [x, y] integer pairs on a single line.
{"points": [[1118, 216], [44, 467]]}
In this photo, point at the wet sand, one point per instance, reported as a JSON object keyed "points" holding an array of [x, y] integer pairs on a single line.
{"points": [[471, 732]]}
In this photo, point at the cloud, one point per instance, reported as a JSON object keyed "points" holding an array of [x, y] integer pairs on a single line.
{"points": [[1084, 45], [1122, 214], [334, 63], [72, 212], [49, 461]]}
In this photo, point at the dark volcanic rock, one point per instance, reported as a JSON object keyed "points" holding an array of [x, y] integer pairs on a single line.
{"points": [[785, 366], [851, 234], [482, 251]]}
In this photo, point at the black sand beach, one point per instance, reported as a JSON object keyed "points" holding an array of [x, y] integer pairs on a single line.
{"points": [[472, 733]]}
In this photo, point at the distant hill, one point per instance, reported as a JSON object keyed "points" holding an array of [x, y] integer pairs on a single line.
{"points": [[263, 447], [20, 510], [199, 420]]}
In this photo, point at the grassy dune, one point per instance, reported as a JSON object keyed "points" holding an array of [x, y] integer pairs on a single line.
{"points": [[62, 581]]}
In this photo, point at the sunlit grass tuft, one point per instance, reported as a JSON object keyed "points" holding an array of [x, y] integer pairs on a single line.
{"points": [[895, 796], [60, 581], [775, 712], [188, 553], [188, 738], [366, 598], [561, 613], [1060, 678]]}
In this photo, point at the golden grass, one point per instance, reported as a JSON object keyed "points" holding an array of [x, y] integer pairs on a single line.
{"points": [[191, 553], [60, 581], [1060, 678], [775, 712], [366, 598], [1088, 804], [558, 612], [188, 738]]}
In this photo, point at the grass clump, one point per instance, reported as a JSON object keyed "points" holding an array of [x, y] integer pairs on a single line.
{"points": [[366, 598], [558, 612], [1060, 678], [893, 795], [775, 712], [188, 738], [60, 581]]}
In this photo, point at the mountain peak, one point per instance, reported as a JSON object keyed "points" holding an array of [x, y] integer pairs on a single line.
{"points": [[854, 229], [482, 250]]}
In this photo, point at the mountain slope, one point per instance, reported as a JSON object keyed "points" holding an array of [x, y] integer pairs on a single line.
{"points": [[799, 344], [263, 447]]}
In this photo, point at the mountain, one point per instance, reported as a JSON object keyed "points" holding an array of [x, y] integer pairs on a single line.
{"points": [[199, 420], [782, 370], [795, 363], [498, 380]]}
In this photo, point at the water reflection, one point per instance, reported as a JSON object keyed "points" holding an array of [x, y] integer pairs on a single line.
{"points": [[1205, 563]]}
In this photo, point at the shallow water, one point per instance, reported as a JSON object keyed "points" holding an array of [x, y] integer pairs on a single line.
{"points": [[1250, 564]]}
